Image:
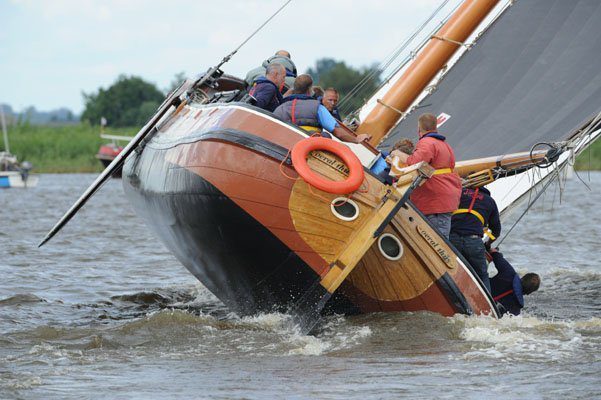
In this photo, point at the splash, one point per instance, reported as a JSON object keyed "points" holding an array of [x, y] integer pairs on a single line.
{"points": [[526, 337]]}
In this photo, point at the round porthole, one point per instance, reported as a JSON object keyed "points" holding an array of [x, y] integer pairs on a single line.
{"points": [[390, 246], [345, 209]]}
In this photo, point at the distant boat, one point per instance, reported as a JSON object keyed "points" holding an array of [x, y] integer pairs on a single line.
{"points": [[107, 152], [13, 174]]}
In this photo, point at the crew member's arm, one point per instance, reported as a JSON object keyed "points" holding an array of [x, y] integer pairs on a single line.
{"points": [[264, 94], [494, 222], [506, 271], [423, 152], [330, 124]]}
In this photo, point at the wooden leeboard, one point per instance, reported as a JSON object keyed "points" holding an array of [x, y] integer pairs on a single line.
{"points": [[345, 244]]}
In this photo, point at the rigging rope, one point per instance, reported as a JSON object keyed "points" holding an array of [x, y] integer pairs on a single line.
{"points": [[260, 27], [531, 203], [389, 59], [554, 175], [588, 131], [196, 93]]}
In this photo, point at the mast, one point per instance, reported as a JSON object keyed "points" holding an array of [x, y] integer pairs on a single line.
{"points": [[427, 64], [4, 133]]}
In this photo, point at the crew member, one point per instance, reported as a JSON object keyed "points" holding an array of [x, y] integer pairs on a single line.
{"points": [[330, 100], [477, 211], [266, 89], [317, 92], [381, 167], [439, 196], [303, 110], [508, 288], [281, 57]]}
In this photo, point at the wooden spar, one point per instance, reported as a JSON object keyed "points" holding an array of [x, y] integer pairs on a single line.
{"points": [[427, 64], [507, 162]]}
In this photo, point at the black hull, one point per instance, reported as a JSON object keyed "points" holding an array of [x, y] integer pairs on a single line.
{"points": [[234, 256]]}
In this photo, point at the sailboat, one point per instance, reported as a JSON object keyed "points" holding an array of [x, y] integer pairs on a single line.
{"points": [[270, 219], [12, 173]]}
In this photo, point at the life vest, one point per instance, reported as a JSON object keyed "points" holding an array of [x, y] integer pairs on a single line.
{"points": [[470, 210], [301, 110]]}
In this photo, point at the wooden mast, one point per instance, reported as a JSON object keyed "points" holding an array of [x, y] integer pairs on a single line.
{"points": [[427, 64]]}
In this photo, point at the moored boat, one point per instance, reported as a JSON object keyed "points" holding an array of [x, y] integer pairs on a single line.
{"points": [[12, 173], [109, 151]]}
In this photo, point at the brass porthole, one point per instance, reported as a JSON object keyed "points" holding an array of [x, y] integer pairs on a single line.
{"points": [[345, 209], [390, 246]]}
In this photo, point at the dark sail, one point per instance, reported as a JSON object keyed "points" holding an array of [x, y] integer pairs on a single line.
{"points": [[534, 76]]}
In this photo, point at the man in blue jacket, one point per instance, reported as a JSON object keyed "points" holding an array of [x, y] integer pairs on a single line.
{"points": [[477, 210], [508, 288], [266, 89]]}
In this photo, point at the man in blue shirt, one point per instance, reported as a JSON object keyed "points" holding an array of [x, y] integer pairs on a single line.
{"points": [[507, 288], [266, 89], [303, 110], [330, 100]]}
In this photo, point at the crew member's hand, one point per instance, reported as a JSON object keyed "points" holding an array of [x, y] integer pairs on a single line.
{"points": [[401, 156], [493, 250], [363, 137]]}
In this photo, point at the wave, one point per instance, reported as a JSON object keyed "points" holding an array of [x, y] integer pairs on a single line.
{"points": [[527, 338], [266, 334], [19, 299]]}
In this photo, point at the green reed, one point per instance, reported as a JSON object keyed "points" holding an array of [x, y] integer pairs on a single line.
{"points": [[72, 148], [60, 148]]}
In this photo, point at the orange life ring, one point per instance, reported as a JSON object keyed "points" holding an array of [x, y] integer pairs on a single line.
{"points": [[301, 150]]}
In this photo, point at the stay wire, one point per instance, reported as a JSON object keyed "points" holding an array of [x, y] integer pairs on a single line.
{"points": [[531, 203], [260, 27], [390, 59]]}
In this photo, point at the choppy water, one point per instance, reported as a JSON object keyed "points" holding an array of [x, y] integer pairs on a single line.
{"points": [[104, 311]]}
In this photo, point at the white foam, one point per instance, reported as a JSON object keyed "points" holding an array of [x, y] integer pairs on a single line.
{"points": [[523, 337], [307, 345], [24, 383]]}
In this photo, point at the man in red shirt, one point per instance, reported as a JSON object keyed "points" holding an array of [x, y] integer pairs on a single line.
{"points": [[439, 196]]}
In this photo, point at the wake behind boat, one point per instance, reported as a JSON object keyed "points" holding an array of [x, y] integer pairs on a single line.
{"points": [[234, 193]]}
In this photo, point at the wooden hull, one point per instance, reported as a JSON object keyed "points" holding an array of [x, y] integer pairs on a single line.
{"points": [[216, 185]]}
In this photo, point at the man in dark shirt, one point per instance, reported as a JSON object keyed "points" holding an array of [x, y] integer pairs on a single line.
{"points": [[477, 210], [266, 89], [508, 288]]}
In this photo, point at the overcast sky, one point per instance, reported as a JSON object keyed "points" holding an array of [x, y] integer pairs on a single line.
{"points": [[52, 50]]}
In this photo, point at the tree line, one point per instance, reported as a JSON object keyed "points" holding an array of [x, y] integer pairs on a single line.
{"points": [[131, 101]]}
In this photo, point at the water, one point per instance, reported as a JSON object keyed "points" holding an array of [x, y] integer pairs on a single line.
{"points": [[104, 311]]}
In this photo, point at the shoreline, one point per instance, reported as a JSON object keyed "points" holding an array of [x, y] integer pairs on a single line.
{"points": [[65, 149]]}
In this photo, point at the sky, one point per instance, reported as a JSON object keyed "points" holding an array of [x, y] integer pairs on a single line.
{"points": [[53, 50]]}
